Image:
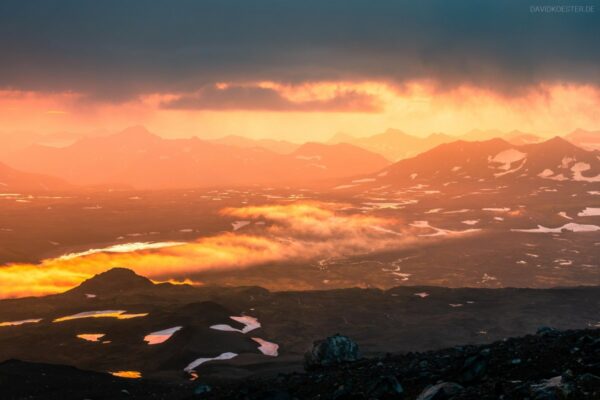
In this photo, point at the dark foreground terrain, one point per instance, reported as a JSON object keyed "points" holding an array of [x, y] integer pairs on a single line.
{"points": [[549, 365], [398, 320]]}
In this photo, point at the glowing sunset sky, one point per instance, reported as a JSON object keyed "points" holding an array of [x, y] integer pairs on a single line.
{"points": [[296, 70]]}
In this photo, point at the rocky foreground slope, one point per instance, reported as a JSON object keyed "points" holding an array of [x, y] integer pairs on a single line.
{"points": [[549, 365]]}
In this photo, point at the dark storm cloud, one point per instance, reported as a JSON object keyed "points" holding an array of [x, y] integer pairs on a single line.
{"points": [[115, 49], [259, 98]]}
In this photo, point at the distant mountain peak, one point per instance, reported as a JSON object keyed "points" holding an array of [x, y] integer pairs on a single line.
{"points": [[580, 131], [136, 132], [484, 143], [341, 137], [589, 140], [556, 142], [113, 281], [394, 131]]}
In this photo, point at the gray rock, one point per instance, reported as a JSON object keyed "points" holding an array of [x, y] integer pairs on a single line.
{"points": [[386, 387], [474, 369], [551, 389], [275, 395], [202, 389], [589, 382], [342, 392], [441, 391], [546, 330], [334, 350]]}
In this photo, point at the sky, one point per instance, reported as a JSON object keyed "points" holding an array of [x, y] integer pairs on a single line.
{"points": [[297, 70]]}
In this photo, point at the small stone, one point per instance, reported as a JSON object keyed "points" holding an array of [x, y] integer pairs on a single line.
{"points": [[386, 387], [546, 330], [202, 389], [485, 352], [441, 391], [275, 395]]}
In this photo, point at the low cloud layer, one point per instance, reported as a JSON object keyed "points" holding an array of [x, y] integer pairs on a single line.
{"points": [[295, 232], [257, 98], [115, 50]]}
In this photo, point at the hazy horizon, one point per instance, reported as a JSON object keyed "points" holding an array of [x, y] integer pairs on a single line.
{"points": [[471, 132]]}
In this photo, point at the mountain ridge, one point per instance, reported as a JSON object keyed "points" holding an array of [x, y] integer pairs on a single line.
{"points": [[12, 180], [555, 159], [143, 160]]}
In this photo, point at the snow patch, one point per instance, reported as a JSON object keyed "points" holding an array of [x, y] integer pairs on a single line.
{"points": [[127, 374], [440, 231], [199, 361], [91, 337], [580, 167], [118, 314], [564, 215], [21, 322], [250, 323], [572, 227], [239, 224], [267, 348], [507, 157], [590, 212], [161, 336]]}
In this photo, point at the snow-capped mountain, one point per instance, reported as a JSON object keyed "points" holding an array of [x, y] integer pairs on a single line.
{"points": [[494, 160]]}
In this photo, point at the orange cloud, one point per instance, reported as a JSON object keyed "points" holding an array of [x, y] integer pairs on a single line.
{"points": [[299, 231], [273, 98], [418, 107]]}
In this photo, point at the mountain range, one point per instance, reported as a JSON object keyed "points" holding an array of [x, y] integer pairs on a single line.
{"points": [[143, 160], [396, 145], [139, 159], [277, 146]]}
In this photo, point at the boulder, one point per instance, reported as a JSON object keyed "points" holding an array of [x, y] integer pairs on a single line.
{"points": [[334, 350]]}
